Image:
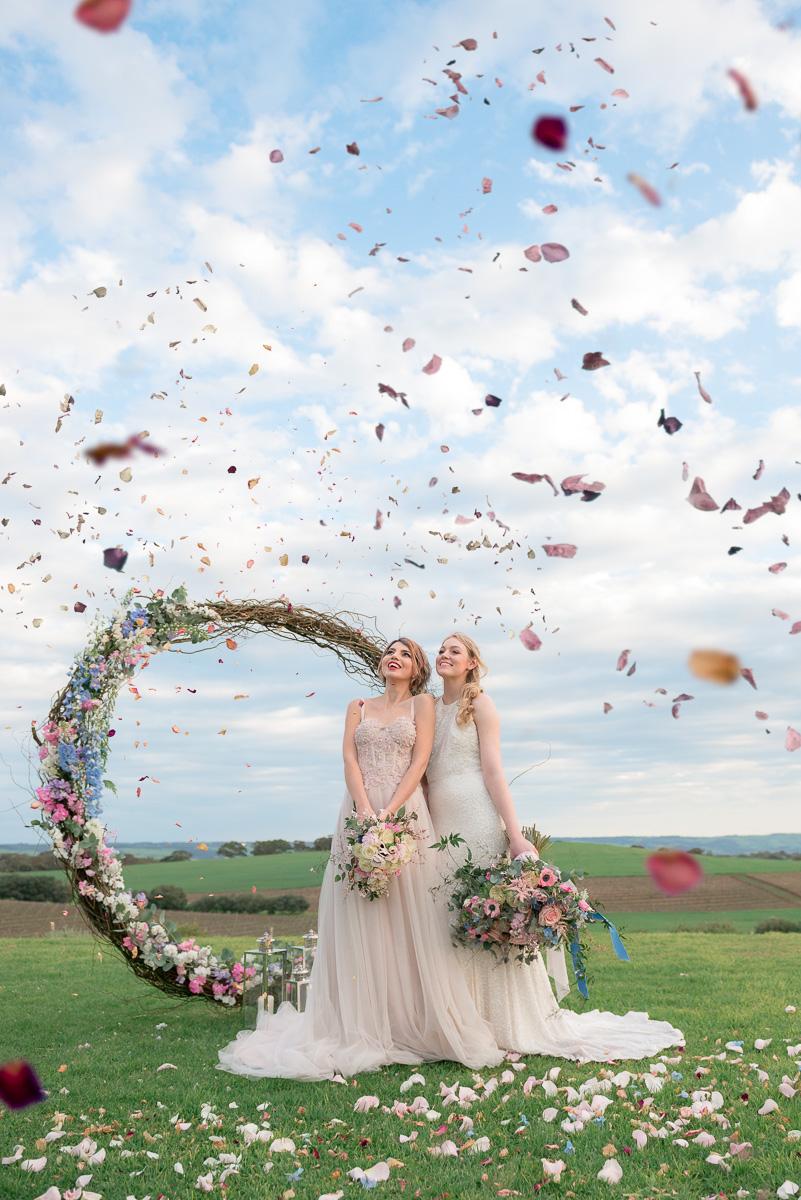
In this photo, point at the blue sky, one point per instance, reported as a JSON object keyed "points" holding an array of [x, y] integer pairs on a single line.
{"points": [[142, 156]]}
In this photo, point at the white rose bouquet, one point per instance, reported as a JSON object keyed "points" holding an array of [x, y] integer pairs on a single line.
{"points": [[377, 849]]}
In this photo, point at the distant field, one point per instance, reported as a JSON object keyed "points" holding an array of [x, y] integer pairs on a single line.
{"points": [[743, 920], [295, 870]]}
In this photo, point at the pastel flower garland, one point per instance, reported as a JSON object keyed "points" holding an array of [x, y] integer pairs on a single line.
{"points": [[74, 746]]}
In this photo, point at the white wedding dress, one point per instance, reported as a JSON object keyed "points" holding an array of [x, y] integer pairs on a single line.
{"points": [[385, 986], [516, 998]]}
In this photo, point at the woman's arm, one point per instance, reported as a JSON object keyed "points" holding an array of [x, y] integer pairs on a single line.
{"points": [[353, 775], [488, 725], [424, 722]]}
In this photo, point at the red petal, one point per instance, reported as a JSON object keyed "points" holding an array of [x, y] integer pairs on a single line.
{"points": [[352, 148], [593, 361], [550, 132], [673, 871], [103, 15], [529, 639], [554, 252], [19, 1086]]}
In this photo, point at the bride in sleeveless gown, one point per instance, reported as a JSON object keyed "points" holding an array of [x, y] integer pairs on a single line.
{"points": [[468, 795], [385, 986]]}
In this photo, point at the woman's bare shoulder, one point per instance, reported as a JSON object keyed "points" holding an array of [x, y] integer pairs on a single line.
{"points": [[484, 704], [425, 700]]}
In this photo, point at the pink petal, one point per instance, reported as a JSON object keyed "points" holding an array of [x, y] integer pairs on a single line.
{"points": [[793, 739], [408, 344], [685, 472], [796, 627], [621, 92], [746, 91], [675, 710], [464, 520], [607, 707], [704, 393], [486, 185], [358, 228], [115, 558], [579, 307], [352, 148], [529, 639], [560, 550], [776, 504], [276, 156], [491, 401], [450, 112], [670, 425], [593, 361], [777, 612], [731, 506], [550, 132], [645, 189], [673, 871], [683, 696], [521, 475], [467, 44], [554, 252], [610, 24], [603, 63], [573, 484], [759, 469], [700, 498], [631, 669], [19, 1086], [623, 660], [550, 209], [761, 716], [433, 366], [777, 568], [748, 674], [533, 254], [379, 432], [103, 15]]}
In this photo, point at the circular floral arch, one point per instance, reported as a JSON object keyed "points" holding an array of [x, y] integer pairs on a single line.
{"points": [[74, 746]]}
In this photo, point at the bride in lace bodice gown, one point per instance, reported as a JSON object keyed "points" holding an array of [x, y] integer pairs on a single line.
{"points": [[468, 795], [385, 986]]}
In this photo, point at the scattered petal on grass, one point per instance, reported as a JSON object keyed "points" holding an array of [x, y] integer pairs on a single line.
{"points": [[553, 1168], [673, 871], [611, 1172], [787, 1189], [364, 1103]]}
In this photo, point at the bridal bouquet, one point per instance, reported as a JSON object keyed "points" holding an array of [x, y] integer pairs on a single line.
{"points": [[376, 850]]}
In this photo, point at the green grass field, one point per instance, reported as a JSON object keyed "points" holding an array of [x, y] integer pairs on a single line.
{"points": [[743, 919], [304, 869], [97, 1037]]}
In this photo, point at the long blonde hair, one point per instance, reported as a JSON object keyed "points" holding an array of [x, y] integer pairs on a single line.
{"points": [[471, 687]]}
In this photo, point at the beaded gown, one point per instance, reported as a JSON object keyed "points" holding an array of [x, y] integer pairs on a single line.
{"points": [[516, 998], [385, 986]]}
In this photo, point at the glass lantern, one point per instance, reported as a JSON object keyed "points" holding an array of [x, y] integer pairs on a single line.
{"points": [[266, 969]]}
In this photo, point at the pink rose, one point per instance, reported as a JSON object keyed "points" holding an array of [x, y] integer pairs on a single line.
{"points": [[549, 916]]}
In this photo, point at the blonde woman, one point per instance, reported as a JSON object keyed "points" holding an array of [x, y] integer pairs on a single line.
{"points": [[468, 795], [385, 986]]}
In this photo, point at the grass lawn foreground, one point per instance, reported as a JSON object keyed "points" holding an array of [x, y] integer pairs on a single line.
{"points": [[133, 1071]]}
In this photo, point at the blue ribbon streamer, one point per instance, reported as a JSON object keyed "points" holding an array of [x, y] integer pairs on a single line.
{"points": [[575, 953]]}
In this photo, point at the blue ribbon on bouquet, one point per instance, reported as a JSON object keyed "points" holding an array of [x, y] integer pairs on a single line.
{"points": [[619, 948]]}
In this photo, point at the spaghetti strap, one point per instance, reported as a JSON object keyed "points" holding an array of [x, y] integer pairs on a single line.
{"points": [[412, 712], [361, 711]]}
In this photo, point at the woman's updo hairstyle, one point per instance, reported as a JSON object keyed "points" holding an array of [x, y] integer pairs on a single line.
{"points": [[422, 667], [472, 686]]}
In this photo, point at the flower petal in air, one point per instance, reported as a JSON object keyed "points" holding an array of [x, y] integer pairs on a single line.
{"points": [[19, 1086], [276, 156], [560, 550], [524, 478], [115, 558], [645, 189], [793, 739], [105, 16], [699, 497], [673, 871], [529, 639], [603, 63], [704, 393], [550, 132], [533, 254], [744, 87], [554, 252], [714, 665], [593, 361], [433, 365]]}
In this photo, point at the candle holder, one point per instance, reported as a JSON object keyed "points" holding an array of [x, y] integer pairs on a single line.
{"points": [[265, 972]]}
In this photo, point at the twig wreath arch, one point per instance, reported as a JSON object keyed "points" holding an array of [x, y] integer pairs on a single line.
{"points": [[74, 746]]}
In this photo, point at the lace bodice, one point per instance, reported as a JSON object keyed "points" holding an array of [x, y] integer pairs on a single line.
{"points": [[384, 752], [456, 748]]}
